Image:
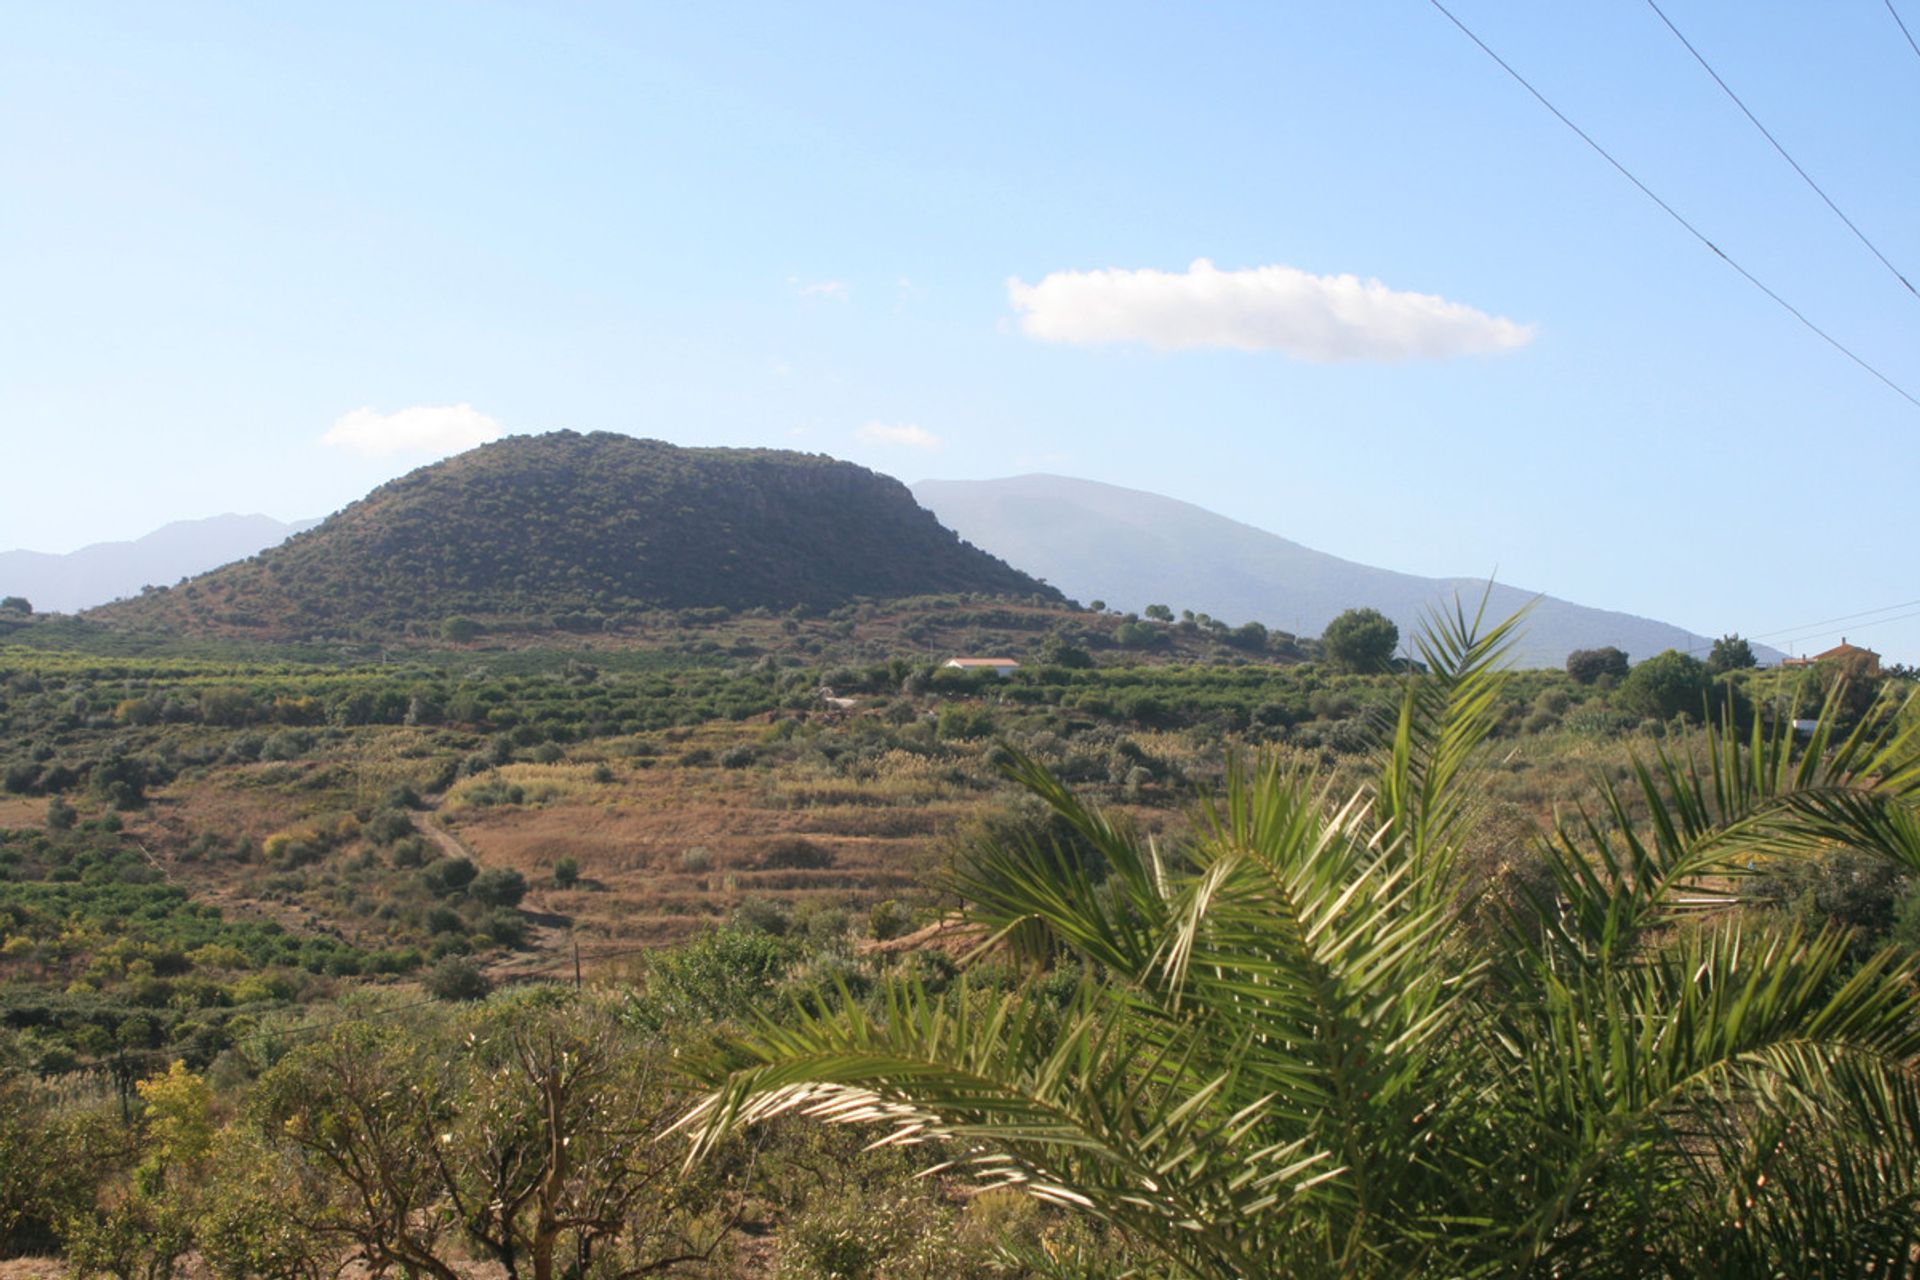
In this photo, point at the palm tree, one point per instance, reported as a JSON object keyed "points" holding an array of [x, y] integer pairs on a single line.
{"points": [[1296, 1059]]}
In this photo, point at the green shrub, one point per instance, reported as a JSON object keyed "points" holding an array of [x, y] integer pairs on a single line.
{"points": [[507, 928], [1664, 686], [765, 915], [449, 875], [499, 887], [456, 978], [724, 974], [60, 815], [796, 853], [888, 919]]}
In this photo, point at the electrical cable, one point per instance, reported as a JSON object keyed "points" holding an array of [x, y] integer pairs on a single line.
{"points": [[1673, 213], [1765, 133], [1808, 627], [1898, 617], [1806, 630], [1911, 44]]}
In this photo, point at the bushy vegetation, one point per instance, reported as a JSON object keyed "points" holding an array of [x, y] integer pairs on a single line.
{"points": [[1297, 1050], [246, 914], [572, 532], [530, 1129], [105, 964]]}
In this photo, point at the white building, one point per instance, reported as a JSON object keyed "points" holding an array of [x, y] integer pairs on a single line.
{"points": [[999, 666]]}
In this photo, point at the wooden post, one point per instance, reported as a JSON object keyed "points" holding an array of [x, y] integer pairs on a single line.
{"points": [[576, 964]]}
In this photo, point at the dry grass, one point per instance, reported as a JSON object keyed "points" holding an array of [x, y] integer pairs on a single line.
{"points": [[669, 841], [22, 811], [541, 784], [638, 885]]}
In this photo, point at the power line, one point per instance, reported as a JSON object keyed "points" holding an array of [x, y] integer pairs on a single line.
{"points": [[1903, 28], [1807, 630], [1898, 617], [1671, 212], [1808, 627], [1765, 133]]}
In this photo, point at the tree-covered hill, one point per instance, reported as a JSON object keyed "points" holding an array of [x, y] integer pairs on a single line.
{"points": [[571, 531]]}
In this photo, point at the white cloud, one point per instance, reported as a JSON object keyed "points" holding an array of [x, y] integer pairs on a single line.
{"points": [[831, 290], [1273, 308], [904, 434], [436, 429]]}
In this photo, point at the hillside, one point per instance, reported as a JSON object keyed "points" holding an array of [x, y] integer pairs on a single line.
{"points": [[1131, 549], [93, 575], [580, 532]]}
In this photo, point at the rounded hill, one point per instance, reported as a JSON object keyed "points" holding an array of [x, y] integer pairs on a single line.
{"points": [[573, 531]]}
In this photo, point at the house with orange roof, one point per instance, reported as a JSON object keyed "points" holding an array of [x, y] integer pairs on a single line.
{"points": [[1857, 661]]}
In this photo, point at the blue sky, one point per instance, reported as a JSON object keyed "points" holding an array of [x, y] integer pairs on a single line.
{"points": [[227, 230]]}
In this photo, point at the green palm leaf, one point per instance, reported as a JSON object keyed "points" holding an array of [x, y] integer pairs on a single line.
{"points": [[1291, 1060]]}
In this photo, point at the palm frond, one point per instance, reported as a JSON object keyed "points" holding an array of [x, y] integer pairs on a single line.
{"points": [[1701, 817], [1287, 1057], [1639, 1072], [1446, 713], [1083, 1112], [1039, 894]]}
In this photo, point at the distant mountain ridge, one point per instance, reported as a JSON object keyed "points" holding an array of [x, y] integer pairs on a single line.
{"points": [[104, 571], [1131, 549], [573, 531]]}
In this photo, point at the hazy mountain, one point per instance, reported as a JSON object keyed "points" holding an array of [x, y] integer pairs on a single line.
{"points": [[1131, 549], [567, 530], [109, 570]]}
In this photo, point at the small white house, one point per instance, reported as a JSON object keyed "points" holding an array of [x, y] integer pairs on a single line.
{"points": [[999, 666]]}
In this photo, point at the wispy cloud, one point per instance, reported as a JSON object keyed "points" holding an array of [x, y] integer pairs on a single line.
{"points": [[831, 290], [902, 435], [435, 429], [1272, 308]]}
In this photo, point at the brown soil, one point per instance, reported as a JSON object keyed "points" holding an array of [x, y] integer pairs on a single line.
{"points": [[664, 850], [33, 1269], [668, 858], [22, 811]]}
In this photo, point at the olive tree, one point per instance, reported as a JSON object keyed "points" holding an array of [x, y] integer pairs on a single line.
{"points": [[1664, 686], [355, 1119], [553, 1160], [1588, 666], [1360, 640], [1730, 653]]}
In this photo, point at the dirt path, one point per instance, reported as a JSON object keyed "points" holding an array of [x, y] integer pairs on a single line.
{"points": [[550, 937], [445, 841]]}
